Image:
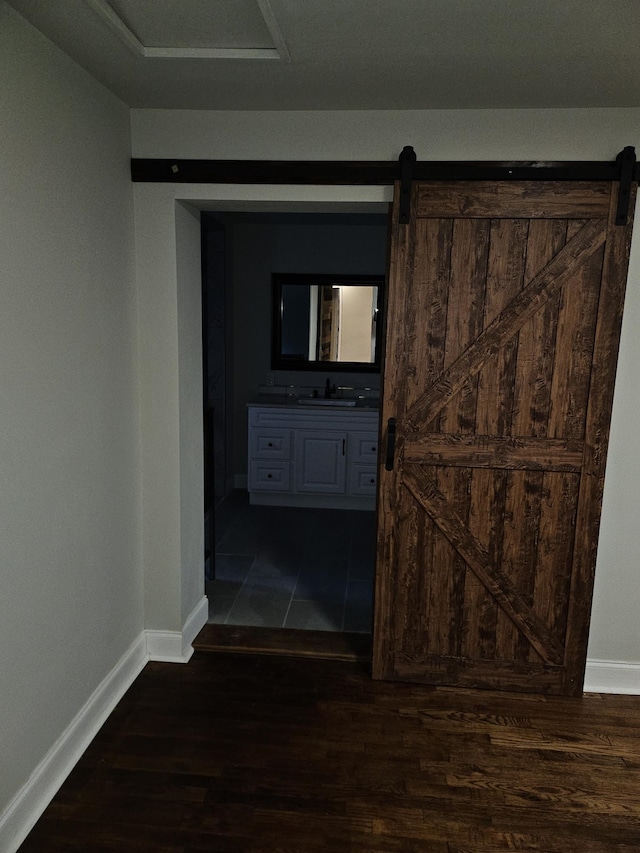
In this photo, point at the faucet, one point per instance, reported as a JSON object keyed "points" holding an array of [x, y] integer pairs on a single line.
{"points": [[329, 390]]}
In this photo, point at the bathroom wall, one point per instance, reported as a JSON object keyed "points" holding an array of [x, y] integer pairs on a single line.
{"points": [[288, 243]]}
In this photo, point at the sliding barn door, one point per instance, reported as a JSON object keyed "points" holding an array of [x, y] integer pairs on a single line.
{"points": [[504, 309]]}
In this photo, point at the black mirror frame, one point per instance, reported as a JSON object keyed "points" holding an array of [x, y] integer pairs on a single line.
{"points": [[280, 363]]}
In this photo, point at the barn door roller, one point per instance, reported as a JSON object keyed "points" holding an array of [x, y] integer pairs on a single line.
{"points": [[407, 161], [626, 159]]}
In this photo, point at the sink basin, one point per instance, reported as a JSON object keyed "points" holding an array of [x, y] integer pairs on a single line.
{"points": [[320, 401]]}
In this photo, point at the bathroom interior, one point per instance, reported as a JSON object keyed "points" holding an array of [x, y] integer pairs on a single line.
{"points": [[291, 435]]}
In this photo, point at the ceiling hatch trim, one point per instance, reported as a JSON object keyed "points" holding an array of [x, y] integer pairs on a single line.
{"points": [[278, 52]]}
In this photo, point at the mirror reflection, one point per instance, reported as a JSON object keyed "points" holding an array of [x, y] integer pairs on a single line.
{"points": [[324, 322]]}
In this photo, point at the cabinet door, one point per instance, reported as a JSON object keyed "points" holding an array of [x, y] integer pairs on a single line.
{"points": [[320, 461]]}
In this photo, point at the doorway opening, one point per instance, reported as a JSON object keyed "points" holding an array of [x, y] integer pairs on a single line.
{"points": [[288, 566]]}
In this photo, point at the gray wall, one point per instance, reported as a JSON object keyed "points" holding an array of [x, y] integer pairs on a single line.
{"points": [[70, 543]]}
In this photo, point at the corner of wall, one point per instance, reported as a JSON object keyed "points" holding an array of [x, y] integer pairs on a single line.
{"points": [[175, 646], [32, 799]]}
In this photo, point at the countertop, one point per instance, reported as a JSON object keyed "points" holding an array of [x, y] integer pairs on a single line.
{"points": [[267, 400]]}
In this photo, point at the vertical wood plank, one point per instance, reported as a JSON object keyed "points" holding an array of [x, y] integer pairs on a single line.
{"points": [[469, 256], [559, 496], [532, 401], [442, 619], [479, 608], [434, 242], [409, 589], [496, 388], [537, 338], [605, 357], [394, 385], [574, 350], [430, 297], [505, 271], [519, 554], [468, 266]]}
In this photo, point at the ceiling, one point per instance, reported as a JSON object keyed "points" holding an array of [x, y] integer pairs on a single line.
{"points": [[352, 54]]}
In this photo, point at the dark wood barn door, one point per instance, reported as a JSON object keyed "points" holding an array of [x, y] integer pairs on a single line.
{"points": [[505, 301]]}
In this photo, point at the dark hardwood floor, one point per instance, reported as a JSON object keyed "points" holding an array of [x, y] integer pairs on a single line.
{"points": [[245, 752]]}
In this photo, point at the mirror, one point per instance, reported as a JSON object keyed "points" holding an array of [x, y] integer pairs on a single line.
{"points": [[326, 322]]}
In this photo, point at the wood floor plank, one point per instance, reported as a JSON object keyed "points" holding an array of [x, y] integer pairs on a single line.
{"points": [[245, 753]]}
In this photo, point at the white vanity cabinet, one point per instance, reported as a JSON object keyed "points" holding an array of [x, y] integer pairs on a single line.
{"points": [[314, 457]]}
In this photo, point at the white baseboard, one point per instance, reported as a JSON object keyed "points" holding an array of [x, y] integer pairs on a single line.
{"points": [[196, 621], [610, 676], [175, 646], [165, 646], [32, 799], [23, 811]]}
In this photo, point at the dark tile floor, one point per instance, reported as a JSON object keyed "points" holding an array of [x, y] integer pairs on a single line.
{"points": [[286, 567]]}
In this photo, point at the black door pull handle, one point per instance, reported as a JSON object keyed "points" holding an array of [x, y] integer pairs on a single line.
{"points": [[391, 443]]}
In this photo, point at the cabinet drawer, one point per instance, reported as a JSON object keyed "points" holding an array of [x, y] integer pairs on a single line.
{"points": [[362, 480], [266, 475], [363, 447], [270, 444]]}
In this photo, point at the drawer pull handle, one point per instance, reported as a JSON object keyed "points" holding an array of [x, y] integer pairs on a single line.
{"points": [[269, 476], [270, 444], [373, 449], [372, 480]]}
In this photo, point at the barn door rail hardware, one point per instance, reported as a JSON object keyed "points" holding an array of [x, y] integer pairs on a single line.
{"points": [[407, 162], [375, 172], [627, 162]]}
